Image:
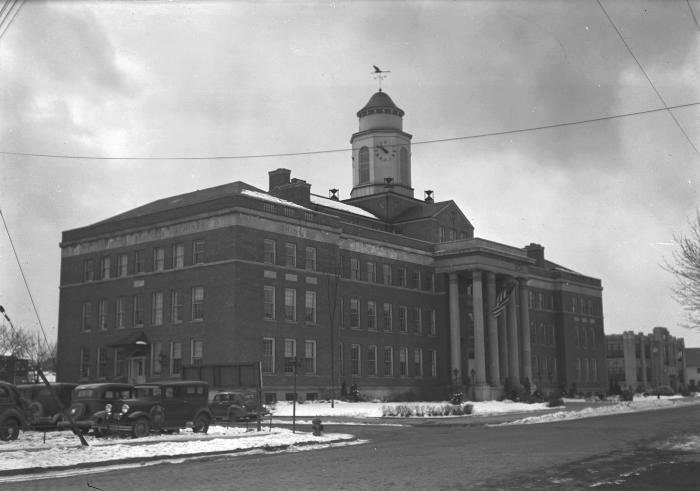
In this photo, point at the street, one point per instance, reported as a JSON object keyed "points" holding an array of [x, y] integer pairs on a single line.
{"points": [[566, 455]]}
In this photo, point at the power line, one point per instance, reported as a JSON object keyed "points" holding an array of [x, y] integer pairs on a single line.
{"points": [[692, 13], [658, 94], [26, 283], [7, 27], [338, 150]]}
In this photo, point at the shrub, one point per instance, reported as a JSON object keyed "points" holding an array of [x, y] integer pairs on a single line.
{"points": [[555, 400], [627, 395], [430, 410]]}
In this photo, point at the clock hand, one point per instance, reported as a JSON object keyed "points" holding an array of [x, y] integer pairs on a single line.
{"points": [[384, 149]]}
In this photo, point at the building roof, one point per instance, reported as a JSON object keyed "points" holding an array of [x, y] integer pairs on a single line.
{"points": [[380, 100], [340, 206], [423, 210]]}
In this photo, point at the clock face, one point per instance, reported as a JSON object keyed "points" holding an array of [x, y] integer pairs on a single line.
{"points": [[384, 151]]}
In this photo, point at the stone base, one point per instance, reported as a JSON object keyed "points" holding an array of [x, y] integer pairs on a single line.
{"points": [[487, 393]]}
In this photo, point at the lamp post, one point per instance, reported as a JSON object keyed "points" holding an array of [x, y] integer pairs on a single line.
{"points": [[295, 364]]}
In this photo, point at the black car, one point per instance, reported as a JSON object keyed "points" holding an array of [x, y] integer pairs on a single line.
{"points": [[43, 411], [12, 412], [233, 406], [164, 406], [87, 399]]}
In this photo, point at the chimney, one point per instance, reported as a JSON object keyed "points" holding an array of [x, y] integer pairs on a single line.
{"points": [[429, 196], [279, 177], [333, 194], [536, 252]]}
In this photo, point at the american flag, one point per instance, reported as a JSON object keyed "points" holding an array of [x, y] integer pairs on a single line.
{"points": [[502, 300]]}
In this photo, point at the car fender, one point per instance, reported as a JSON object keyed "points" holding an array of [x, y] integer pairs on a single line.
{"points": [[206, 411], [138, 414], [15, 414]]}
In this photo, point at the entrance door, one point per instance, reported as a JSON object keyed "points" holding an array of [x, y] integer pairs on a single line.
{"points": [[137, 370]]}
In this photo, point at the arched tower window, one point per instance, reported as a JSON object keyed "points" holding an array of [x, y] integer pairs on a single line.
{"points": [[404, 167], [364, 165]]}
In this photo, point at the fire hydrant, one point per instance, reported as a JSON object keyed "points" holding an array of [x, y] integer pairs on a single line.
{"points": [[316, 426]]}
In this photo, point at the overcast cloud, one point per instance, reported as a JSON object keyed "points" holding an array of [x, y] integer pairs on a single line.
{"points": [[184, 79]]}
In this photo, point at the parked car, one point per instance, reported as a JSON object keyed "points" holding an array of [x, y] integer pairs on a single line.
{"points": [[12, 412], [236, 406], [88, 399], [164, 406], [43, 411], [663, 390]]}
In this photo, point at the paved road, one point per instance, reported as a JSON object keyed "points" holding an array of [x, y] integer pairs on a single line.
{"points": [[566, 455]]}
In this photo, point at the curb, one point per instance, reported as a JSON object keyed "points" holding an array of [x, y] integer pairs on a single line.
{"points": [[154, 458]]}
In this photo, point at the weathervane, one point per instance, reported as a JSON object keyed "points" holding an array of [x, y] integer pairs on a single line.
{"points": [[378, 75]]}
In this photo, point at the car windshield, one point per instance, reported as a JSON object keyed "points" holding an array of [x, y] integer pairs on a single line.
{"points": [[144, 392], [117, 394], [85, 394]]}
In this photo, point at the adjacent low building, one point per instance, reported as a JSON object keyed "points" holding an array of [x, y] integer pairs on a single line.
{"points": [[382, 290], [641, 362]]}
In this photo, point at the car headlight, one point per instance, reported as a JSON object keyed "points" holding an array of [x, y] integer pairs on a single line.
{"points": [[125, 408], [73, 410], [108, 408]]}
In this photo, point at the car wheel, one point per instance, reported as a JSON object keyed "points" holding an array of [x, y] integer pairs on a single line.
{"points": [[141, 428], [9, 430], [201, 423]]}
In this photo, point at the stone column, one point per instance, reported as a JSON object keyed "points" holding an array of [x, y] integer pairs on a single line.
{"points": [[479, 339], [492, 322], [513, 350], [503, 345], [525, 328], [455, 331]]}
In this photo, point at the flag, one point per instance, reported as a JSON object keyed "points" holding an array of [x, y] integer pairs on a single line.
{"points": [[502, 300]]}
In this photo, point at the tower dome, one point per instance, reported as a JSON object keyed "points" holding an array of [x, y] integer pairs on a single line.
{"points": [[380, 102]]}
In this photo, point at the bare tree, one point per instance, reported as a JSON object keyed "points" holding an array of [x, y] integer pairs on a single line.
{"points": [[686, 268], [16, 342]]}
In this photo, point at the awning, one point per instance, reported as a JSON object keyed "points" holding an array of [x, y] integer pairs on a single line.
{"points": [[132, 341]]}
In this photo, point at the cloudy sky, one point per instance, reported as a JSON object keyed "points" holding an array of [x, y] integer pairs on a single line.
{"points": [[235, 79]]}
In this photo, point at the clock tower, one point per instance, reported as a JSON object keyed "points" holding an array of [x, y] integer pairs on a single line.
{"points": [[381, 150]]}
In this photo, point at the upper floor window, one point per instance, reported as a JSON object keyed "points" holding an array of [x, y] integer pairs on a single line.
{"points": [[416, 279], [363, 165], [442, 234], [157, 308], [371, 271], [402, 277], [176, 306], [290, 304], [120, 312], [102, 314], [197, 303], [354, 268], [122, 265], [269, 302], [88, 270], [197, 251], [269, 251], [196, 352], [138, 310], [290, 255], [86, 324], [178, 256], [354, 313], [138, 262], [105, 267], [158, 259], [404, 166], [386, 274], [310, 307], [310, 264]]}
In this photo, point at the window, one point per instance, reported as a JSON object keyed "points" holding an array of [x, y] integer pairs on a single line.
{"points": [[138, 310], [372, 361], [574, 304], [371, 272], [354, 313], [270, 207], [372, 316], [540, 301], [418, 362], [157, 309], [268, 355], [178, 256], [269, 303], [119, 362], [120, 312], [196, 352], [289, 212], [138, 262], [84, 363], [578, 368], [310, 357], [594, 370], [341, 359], [101, 363], [290, 304], [176, 306], [290, 255], [363, 159], [88, 270], [105, 267], [388, 361], [586, 373], [354, 268], [432, 330], [404, 172], [387, 317], [417, 328], [158, 259], [102, 314], [431, 282], [433, 363], [403, 361], [416, 279], [122, 265], [197, 251], [156, 358], [310, 263], [86, 324], [531, 299], [442, 235], [403, 318], [175, 358], [310, 307], [290, 355], [386, 274], [402, 277], [198, 303], [269, 248], [355, 359]]}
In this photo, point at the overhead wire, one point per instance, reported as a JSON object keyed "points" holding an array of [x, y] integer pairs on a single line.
{"points": [[339, 150], [14, 14], [692, 13], [658, 94]]}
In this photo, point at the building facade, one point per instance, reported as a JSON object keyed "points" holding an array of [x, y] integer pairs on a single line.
{"points": [[641, 362], [383, 290], [692, 368]]}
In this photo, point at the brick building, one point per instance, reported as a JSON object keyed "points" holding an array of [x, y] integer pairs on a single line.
{"points": [[384, 290], [645, 361]]}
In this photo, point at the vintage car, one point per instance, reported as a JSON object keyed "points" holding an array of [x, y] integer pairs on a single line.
{"points": [[163, 406], [87, 399], [236, 406], [12, 412], [44, 412]]}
